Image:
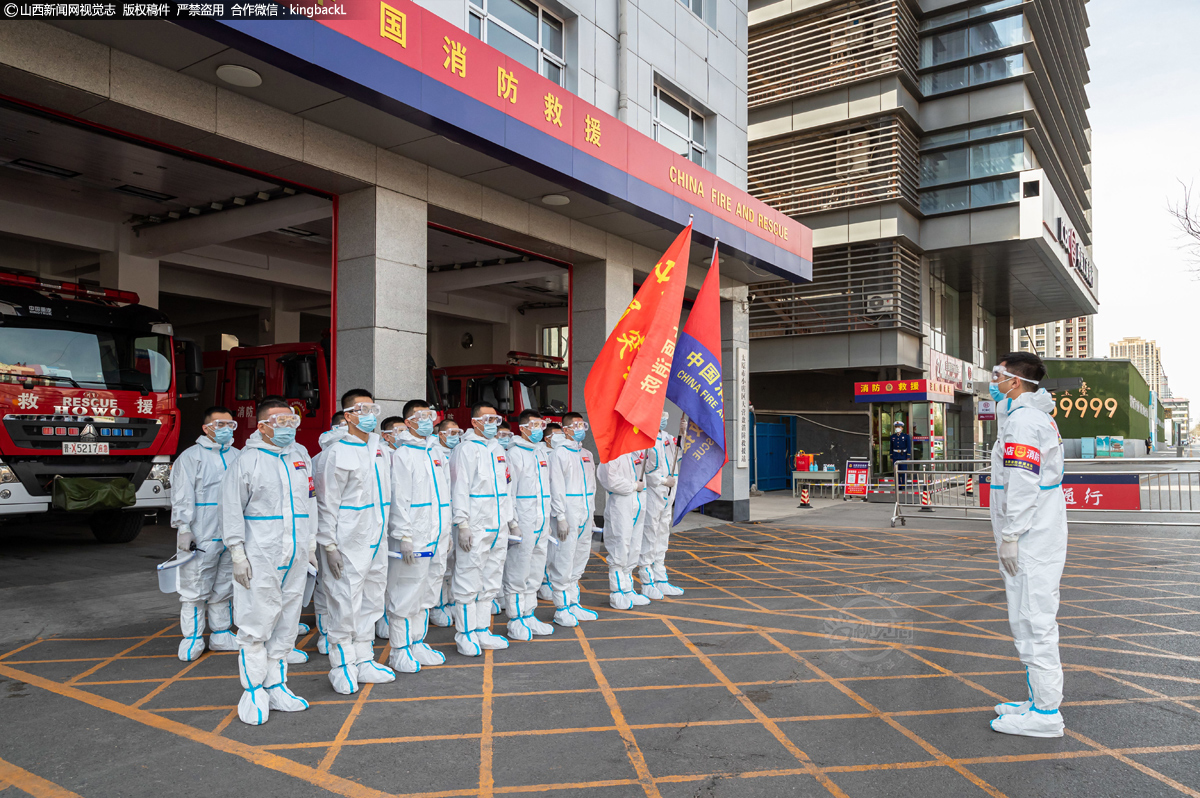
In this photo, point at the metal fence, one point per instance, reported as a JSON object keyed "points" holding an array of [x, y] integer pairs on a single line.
{"points": [[1151, 491]]}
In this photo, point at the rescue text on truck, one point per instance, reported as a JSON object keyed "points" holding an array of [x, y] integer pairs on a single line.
{"points": [[88, 389]]}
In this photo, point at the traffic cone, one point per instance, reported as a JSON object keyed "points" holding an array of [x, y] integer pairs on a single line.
{"points": [[970, 485], [804, 498], [925, 504]]}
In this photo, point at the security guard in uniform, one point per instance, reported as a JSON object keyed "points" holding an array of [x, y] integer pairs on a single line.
{"points": [[901, 448]]}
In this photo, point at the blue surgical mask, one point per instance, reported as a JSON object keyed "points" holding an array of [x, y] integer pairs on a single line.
{"points": [[535, 436], [994, 390], [579, 435], [662, 425], [425, 428], [506, 442], [451, 441], [367, 423], [223, 436], [489, 430], [283, 437]]}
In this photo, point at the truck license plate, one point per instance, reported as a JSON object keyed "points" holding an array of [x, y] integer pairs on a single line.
{"points": [[79, 447]]}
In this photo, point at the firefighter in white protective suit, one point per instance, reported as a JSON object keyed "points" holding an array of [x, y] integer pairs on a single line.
{"points": [[353, 491], [205, 581], [335, 433], [269, 524], [572, 504], [525, 562], [1029, 521], [660, 504], [418, 531], [483, 518], [624, 480], [441, 610]]}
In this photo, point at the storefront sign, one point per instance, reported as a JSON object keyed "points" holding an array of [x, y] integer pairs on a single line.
{"points": [[411, 62], [944, 368], [857, 476], [1088, 491], [986, 410], [904, 391], [1077, 255]]}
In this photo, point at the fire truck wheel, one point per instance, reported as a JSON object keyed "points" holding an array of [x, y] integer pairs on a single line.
{"points": [[117, 526]]}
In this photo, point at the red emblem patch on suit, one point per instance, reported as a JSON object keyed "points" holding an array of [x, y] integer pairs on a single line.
{"points": [[1027, 458]]}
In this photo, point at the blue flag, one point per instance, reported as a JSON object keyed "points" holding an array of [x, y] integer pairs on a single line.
{"points": [[695, 386]]}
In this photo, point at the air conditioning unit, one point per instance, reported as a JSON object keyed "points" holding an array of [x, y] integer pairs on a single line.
{"points": [[881, 304]]}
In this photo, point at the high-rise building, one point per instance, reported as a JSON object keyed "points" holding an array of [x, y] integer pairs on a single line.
{"points": [[1147, 358], [1066, 338], [941, 154]]}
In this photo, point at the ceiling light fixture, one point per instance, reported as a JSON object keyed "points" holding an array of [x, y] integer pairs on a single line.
{"points": [[143, 193], [237, 75], [38, 168], [556, 199]]}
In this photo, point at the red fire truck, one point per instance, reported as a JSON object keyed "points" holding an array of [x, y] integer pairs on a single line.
{"points": [[89, 380], [515, 386]]}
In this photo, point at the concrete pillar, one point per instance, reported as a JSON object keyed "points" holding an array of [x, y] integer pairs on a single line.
{"points": [[277, 325], [1002, 340], [130, 273], [381, 296], [600, 292], [734, 504]]}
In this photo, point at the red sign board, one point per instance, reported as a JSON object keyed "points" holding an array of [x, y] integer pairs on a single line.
{"points": [[1088, 491], [857, 475], [903, 391], [422, 40]]}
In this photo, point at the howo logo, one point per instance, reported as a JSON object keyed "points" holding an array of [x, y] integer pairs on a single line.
{"points": [[88, 434]]}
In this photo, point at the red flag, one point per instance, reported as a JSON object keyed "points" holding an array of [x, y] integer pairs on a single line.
{"points": [[627, 385]]}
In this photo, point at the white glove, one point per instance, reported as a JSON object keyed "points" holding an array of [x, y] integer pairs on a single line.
{"points": [[641, 485], [1008, 556], [406, 548], [669, 482], [464, 537], [242, 572], [562, 528], [184, 539], [333, 558]]}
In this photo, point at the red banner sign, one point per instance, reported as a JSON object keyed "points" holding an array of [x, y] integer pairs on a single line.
{"points": [[903, 391], [857, 474]]}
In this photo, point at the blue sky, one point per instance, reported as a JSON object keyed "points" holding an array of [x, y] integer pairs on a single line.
{"points": [[1145, 117]]}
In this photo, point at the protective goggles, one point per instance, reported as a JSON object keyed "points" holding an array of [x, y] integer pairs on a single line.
{"points": [[1000, 373], [534, 424], [489, 419], [364, 409], [424, 414], [282, 420], [574, 425], [391, 434], [222, 424], [504, 435]]}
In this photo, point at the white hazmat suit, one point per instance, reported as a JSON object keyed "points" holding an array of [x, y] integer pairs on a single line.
{"points": [[660, 504], [525, 563], [206, 581], [572, 502], [482, 511], [320, 606], [1028, 505], [269, 511], [421, 514], [624, 520], [353, 492], [441, 611]]}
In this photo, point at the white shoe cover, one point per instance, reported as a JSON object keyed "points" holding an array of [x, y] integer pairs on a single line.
{"points": [[580, 612], [545, 593], [371, 672], [668, 589], [639, 600], [190, 648], [1013, 708], [496, 608], [488, 640], [401, 660], [531, 620], [622, 601], [284, 700], [322, 636], [438, 616], [381, 627], [224, 640], [519, 630], [302, 629], [1031, 724], [465, 638], [425, 654], [254, 707], [565, 617], [192, 616], [343, 674], [296, 657]]}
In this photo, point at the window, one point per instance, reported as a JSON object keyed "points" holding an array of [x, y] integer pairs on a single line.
{"points": [[554, 341], [523, 31], [962, 14], [973, 163], [697, 7], [977, 195], [963, 135], [975, 75], [250, 380], [678, 127], [82, 357]]}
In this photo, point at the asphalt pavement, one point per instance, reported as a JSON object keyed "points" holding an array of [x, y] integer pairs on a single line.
{"points": [[821, 653]]}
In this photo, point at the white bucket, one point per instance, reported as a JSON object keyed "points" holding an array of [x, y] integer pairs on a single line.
{"points": [[310, 584], [168, 572]]}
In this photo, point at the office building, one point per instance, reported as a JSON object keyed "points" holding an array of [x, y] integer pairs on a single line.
{"points": [[1066, 338], [1147, 357], [941, 154]]}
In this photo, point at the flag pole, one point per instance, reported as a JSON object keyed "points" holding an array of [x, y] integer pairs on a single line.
{"points": [[683, 422]]}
